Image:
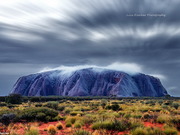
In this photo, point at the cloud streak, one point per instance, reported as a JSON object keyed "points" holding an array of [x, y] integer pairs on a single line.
{"points": [[130, 68]]}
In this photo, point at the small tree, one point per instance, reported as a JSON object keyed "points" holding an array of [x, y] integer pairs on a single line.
{"points": [[14, 99]]}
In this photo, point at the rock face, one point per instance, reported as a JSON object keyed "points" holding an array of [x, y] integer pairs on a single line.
{"points": [[89, 82]]}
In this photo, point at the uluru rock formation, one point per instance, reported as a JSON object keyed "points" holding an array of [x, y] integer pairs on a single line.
{"points": [[89, 82]]}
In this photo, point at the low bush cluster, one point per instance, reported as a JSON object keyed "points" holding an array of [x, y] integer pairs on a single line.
{"points": [[38, 114]]}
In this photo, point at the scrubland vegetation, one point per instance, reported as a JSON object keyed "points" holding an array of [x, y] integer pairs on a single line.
{"points": [[129, 116]]}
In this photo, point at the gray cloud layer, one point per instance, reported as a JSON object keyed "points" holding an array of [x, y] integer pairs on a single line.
{"points": [[34, 35]]}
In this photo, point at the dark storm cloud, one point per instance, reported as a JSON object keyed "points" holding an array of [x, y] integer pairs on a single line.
{"points": [[89, 32]]}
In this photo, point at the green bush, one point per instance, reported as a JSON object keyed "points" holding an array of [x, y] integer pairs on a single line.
{"points": [[77, 125], [163, 118], [70, 120], [139, 131], [147, 131], [60, 108], [68, 124], [134, 123], [175, 105], [14, 99], [119, 125], [175, 120], [170, 131], [38, 114], [114, 107], [52, 104]]}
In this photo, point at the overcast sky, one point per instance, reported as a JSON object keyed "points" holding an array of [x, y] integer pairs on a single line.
{"points": [[141, 35]]}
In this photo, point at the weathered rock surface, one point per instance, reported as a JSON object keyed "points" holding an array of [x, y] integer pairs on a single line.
{"points": [[89, 82]]}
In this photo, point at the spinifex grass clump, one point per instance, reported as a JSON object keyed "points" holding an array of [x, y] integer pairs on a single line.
{"points": [[32, 131], [147, 131], [51, 130], [59, 126], [119, 125], [163, 118]]}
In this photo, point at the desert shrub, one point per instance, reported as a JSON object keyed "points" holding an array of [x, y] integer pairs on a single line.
{"points": [[170, 131], [38, 113], [147, 116], [59, 126], [164, 112], [134, 123], [147, 131], [59, 117], [139, 131], [156, 109], [144, 109], [150, 102], [89, 118], [78, 124], [168, 103], [67, 110], [127, 115], [40, 116], [175, 120], [81, 132], [32, 131], [70, 120], [175, 105], [6, 119], [2, 104], [122, 113], [61, 108], [155, 131], [52, 104], [68, 124], [163, 118], [111, 125], [114, 107], [86, 108], [14, 99], [51, 130], [102, 125], [136, 115], [165, 106]]}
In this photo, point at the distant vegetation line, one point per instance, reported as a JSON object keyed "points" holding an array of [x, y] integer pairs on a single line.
{"points": [[16, 97]]}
